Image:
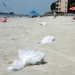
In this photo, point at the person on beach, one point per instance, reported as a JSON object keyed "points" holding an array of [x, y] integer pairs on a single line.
{"points": [[73, 17], [54, 14], [3, 19]]}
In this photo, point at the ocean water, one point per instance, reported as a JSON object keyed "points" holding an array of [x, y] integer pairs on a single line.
{"points": [[16, 15], [12, 15]]}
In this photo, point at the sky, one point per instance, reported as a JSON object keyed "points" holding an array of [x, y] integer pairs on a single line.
{"points": [[26, 6]]}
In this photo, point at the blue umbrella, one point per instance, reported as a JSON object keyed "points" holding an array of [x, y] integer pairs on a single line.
{"points": [[33, 12]]}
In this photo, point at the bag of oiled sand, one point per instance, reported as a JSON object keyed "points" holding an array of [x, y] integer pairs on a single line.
{"points": [[47, 39], [27, 57]]}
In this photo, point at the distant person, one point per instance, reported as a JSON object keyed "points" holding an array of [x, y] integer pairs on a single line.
{"points": [[54, 14], [3, 19], [73, 17]]}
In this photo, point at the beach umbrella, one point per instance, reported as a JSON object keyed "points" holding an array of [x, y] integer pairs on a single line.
{"points": [[33, 12], [72, 8]]}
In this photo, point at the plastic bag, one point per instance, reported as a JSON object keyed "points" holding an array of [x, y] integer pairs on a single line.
{"points": [[43, 23], [16, 65], [27, 57], [47, 39]]}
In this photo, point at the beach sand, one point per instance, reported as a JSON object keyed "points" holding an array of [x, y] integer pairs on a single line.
{"points": [[22, 33]]}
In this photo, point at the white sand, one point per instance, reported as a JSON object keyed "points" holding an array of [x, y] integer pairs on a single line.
{"points": [[25, 33]]}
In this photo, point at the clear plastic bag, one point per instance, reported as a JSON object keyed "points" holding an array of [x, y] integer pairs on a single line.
{"points": [[16, 65], [43, 23], [27, 57], [47, 39]]}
